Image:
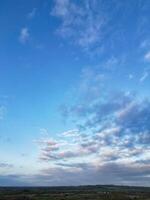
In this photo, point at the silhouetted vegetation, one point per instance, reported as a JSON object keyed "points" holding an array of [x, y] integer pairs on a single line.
{"points": [[75, 193]]}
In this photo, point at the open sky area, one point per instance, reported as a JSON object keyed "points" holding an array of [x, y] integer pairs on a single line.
{"points": [[74, 92]]}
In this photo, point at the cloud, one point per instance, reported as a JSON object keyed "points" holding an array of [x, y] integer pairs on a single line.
{"points": [[147, 56], [70, 133], [135, 117], [112, 62], [12, 180], [144, 76], [24, 35], [5, 165], [131, 76], [94, 27], [60, 150], [111, 132], [120, 125], [32, 14], [112, 144], [112, 147], [81, 174], [82, 22]]}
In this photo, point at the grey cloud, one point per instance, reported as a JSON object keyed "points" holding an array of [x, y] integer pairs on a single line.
{"points": [[83, 173], [110, 173], [5, 165], [13, 180]]}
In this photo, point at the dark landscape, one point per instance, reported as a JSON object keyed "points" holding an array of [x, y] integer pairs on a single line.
{"points": [[75, 193]]}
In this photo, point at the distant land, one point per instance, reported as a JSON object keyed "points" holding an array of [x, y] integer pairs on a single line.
{"points": [[97, 192]]}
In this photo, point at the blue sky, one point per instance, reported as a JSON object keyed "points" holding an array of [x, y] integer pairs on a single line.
{"points": [[74, 92]]}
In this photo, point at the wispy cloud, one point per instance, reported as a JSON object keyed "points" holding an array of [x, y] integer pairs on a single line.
{"points": [[81, 22], [93, 25], [144, 76], [147, 56], [24, 35], [131, 76], [32, 14]]}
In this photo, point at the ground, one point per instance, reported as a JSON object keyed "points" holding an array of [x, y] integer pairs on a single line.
{"points": [[75, 193]]}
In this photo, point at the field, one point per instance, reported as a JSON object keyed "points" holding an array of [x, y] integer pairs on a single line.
{"points": [[75, 193]]}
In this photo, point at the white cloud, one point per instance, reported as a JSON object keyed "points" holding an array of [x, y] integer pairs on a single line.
{"points": [[71, 133], [144, 76], [79, 22], [24, 35], [147, 56]]}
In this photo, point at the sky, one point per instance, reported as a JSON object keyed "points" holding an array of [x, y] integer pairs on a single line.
{"points": [[74, 92]]}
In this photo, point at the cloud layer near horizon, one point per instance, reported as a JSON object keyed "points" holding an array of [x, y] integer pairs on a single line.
{"points": [[110, 142]]}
